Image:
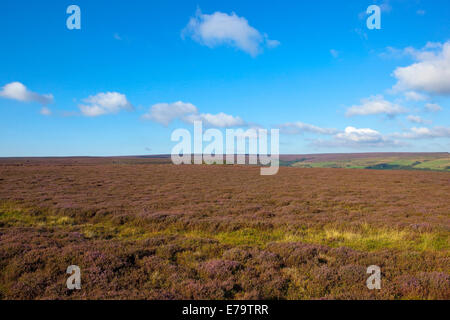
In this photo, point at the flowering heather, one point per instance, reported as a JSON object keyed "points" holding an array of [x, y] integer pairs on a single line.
{"points": [[144, 229]]}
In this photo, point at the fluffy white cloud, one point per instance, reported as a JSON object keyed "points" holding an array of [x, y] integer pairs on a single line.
{"points": [[424, 133], [300, 127], [359, 135], [165, 113], [430, 74], [220, 120], [221, 28], [417, 119], [433, 107], [271, 43], [358, 138], [105, 103], [17, 91], [351, 137], [426, 52], [375, 105]]}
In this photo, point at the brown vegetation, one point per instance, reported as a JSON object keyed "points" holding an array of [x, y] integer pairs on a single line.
{"points": [[139, 228]]}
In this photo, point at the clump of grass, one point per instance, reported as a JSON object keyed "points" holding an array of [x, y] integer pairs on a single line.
{"points": [[249, 236], [434, 241], [363, 237], [366, 239], [11, 215]]}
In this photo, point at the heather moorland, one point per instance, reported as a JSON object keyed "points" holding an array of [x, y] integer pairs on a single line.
{"points": [[142, 228]]}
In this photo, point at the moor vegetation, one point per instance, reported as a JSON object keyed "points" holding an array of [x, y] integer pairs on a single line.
{"points": [[144, 229], [380, 161]]}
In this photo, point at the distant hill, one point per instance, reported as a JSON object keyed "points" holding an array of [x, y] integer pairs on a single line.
{"points": [[381, 161], [438, 161]]}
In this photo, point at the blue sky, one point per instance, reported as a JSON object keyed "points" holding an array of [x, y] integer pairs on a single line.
{"points": [[137, 70]]}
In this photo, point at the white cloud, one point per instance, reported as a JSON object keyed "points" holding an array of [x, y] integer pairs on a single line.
{"points": [[271, 43], [433, 107], [220, 28], [427, 52], [300, 127], [165, 113], [424, 133], [105, 103], [220, 120], [359, 135], [17, 91], [358, 138], [334, 53], [414, 96], [391, 53], [375, 105], [417, 119], [45, 111], [430, 74], [351, 137]]}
